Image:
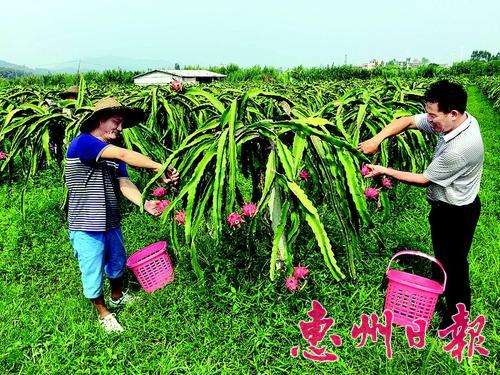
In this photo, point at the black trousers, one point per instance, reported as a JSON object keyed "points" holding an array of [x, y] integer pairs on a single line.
{"points": [[452, 230]]}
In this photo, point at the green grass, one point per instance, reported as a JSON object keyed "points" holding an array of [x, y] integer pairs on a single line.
{"points": [[239, 321]]}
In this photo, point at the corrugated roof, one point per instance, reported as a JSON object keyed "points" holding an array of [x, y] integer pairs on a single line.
{"points": [[186, 73]]}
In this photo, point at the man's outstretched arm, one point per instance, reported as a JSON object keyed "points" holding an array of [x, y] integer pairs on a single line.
{"points": [[417, 179], [397, 126]]}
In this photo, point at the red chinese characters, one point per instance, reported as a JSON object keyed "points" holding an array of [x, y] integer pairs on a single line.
{"points": [[416, 336], [461, 330], [314, 332], [371, 328]]}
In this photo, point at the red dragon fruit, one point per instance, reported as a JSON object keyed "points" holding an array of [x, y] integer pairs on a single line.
{"points": [[234, 219], [371, 193], [300, 272], [304, 175], [3, 155], [180, 217], [365, 170], [249, 209], [387, 182], [176, 86], [161, 205], [159, 192], [292, 283]]}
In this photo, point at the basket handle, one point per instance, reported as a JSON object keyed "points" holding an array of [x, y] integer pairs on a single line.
{"points": [[423, 255]]}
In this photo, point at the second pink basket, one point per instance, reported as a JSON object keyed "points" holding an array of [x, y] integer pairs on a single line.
{"points": [[410, 296], [152, 266]]}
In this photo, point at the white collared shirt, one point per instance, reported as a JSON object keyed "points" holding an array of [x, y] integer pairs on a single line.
{"points": [[457, 165]]}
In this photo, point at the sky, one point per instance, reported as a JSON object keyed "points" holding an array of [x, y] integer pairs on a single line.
{"points": [[271, 32]]}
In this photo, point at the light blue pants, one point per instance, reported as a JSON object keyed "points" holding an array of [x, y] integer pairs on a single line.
{"points": [[98, 253]]}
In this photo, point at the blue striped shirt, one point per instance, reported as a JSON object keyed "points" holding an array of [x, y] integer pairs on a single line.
{"points": [[93, 185]]}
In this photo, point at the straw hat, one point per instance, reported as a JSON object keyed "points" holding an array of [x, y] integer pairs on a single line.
{"points": [[110, 106], [69, 92]]}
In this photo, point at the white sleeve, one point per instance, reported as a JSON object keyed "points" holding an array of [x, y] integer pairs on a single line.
{"points": [[422, 123]]}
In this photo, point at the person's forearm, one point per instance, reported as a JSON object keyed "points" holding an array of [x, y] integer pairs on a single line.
{"points": [[131, 192], [410, 178], [395, 127], [136, 159]]}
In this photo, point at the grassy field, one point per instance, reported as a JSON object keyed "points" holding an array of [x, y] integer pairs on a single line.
{"points": [[239, 321]]}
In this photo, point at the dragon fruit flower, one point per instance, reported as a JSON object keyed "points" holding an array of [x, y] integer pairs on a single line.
{"points": [[304, 175], [249, 209], [180, 217], [300, 272], [365, 170], [159, 192], [3, 155], [291, 283], [161, 205], [371, 193], [234, 219], [387, 182]]}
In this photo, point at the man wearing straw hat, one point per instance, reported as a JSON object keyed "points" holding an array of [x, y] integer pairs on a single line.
{"points": [[452, 180], [95, 175]]}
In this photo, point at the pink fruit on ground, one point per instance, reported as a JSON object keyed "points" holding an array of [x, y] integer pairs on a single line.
{"points": [[249, 209], [159, 192], [387, 182], [291, 283], [371, 193], [161, 205], [300, 272], [304, 175], [365, 170], [180, 217], [176, 86], [234, 219], [3, 155]]}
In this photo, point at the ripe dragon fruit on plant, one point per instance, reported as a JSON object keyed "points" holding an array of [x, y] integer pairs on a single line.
{"points": [[292, 283], [387, 182], [176, 86], [159, 192], [371, 193], [304, 175], [180, 217], [3, 155], [234, 219], [249, 209], [300, 272]]}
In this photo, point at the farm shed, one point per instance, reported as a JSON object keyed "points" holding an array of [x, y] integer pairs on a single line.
{"points": [[164, 77]]}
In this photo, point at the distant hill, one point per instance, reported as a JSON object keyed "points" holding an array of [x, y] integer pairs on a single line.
{"points": [[10, 70]]}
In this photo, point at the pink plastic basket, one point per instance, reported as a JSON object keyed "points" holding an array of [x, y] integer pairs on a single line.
{"points": [[152, 266], [410, 296]]}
